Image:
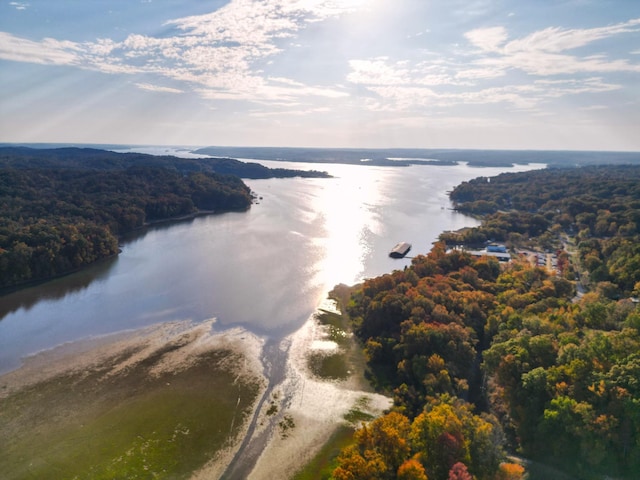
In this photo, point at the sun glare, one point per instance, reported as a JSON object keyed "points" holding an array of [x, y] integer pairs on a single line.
{"points": [[349, 220]]}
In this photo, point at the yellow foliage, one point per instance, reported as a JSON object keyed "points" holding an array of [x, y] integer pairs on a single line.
{"points": [[411, 469], [510, 471]]}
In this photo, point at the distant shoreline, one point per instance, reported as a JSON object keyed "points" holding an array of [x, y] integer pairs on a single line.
{"points": [[476, 157]]}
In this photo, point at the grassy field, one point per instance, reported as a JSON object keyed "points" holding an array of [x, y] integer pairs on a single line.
{"points": [[91, 424]]}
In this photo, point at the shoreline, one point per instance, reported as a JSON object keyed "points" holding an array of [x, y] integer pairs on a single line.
{"points": [[89, 351], [130, 402], [122, 239], [285, 420], [313, 408]]}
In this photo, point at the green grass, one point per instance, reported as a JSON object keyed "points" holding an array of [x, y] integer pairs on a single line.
{"points": [[338, 366], [334, 365], [356, 416], [329, 366]]}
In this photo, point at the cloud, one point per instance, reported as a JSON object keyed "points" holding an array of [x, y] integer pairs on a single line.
{"points": [[377, 71], [542, 52], [384, 71], [156, 88], [533, 70], [554, 39], [46, 52], [410, 98], [525, 96], [290, 113], [487, 39], [560, 88], [215, 53], [550, 40], [223, 55], [548, 64], [19, 5], [259, 90], [471, 8], [595, 108]]}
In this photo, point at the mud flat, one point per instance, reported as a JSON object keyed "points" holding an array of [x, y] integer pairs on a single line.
{"points": [[179, 401], [312, 403], [161, 402]]}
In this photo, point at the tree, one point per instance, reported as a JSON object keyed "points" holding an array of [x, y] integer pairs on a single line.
{"points": [[380, 449], [411, 469], [447, 432], [459, 472], [510, 471]]}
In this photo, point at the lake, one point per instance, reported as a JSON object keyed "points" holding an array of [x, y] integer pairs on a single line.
{"points": [[266, 269]]}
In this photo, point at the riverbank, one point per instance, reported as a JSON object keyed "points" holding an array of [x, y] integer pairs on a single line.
{"points": [[176, 400], [311, 405], [162, 401]]}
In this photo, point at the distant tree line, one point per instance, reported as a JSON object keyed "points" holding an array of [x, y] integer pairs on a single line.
{"points": [[57, 220], [419, 156], [96, 159]]}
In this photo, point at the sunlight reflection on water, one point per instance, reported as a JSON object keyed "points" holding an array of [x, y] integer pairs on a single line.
{"points": [[346, 207]]}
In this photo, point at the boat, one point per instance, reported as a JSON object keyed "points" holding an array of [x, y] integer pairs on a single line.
{"points": [[400, 250]]}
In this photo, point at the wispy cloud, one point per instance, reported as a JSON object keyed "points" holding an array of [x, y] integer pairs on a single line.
{"points": [[243, 55], [556, 39], [531, 96], [543, 52], [19, 5], [595, 108], [157, 88], [465, 78], [45, 52], [385, 71], [215, 53], [487, 39]]}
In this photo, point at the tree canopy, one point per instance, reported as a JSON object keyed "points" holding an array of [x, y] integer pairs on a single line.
{"points": [[479, 356], [598, 205]]}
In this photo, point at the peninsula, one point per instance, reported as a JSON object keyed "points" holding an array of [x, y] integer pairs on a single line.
{"points": [[64, 209]]}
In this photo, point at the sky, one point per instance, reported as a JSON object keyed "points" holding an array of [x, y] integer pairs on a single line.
{"points": [[488, 74]]}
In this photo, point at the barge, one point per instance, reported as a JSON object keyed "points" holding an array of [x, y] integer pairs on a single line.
{"points": [[400, 250]]}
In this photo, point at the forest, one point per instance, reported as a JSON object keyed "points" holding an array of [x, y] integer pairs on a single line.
{"points": [[57, 219], [486, 361]]}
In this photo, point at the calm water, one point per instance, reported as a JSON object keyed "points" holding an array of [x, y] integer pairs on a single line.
{"points": [[266, 269]]}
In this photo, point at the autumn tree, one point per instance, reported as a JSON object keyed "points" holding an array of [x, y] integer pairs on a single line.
{"points": [[459, 472]]}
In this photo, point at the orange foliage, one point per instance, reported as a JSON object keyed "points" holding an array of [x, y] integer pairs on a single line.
{"points": [[412, 469], [510, 471]]}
